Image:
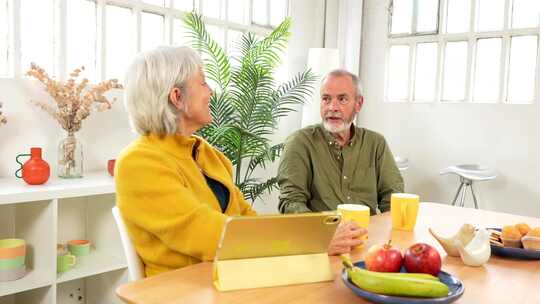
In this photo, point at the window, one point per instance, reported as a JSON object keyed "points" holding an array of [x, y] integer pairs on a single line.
{"points": [[155, 2], [458, 16], [278, 11], [454, 71], [180, 35], [487, 83], [37, 28], [426, 71], [81, 37], [211, 8], [151, 30], [238, 12], [483, 51], [183, 5], [103, 36], [268, 12], [119, 44], [522, 73], [398, 72]]}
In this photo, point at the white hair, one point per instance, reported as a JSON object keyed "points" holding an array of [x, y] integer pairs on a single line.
{"points": [[357, 84], [149, 80]]}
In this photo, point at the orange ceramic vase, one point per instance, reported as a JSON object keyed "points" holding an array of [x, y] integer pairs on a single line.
{"points": [[36, 171]]}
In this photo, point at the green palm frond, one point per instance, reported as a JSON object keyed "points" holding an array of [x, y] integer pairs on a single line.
{"points": [[246, 44], [222, 108], [266, 53], [268, 155], [221, 111], [252, 188], [293, 92], [217, 66], [247, 108]]}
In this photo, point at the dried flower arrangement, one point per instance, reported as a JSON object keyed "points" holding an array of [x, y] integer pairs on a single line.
{"points": [[73, 101], [3, 119]]}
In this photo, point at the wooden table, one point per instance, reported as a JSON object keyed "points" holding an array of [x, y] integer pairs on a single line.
{"points": [[501, 280]]}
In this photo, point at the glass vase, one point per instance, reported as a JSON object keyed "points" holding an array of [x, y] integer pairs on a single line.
{"points": [[70, 157]]}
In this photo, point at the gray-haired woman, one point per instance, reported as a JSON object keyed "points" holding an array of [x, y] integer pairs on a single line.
{"points": [[174, 190]]}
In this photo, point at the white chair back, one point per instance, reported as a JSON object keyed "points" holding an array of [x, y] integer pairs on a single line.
{"points": [[135, 265]]}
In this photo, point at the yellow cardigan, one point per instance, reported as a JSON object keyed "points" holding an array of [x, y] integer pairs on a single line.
{"points": [[172, 216]]}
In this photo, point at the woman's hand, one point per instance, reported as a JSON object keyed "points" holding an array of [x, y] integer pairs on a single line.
{"points": [[348, 235]]}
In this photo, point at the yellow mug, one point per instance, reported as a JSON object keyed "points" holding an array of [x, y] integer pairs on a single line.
{"points": [[356, 213], [404, 210]]}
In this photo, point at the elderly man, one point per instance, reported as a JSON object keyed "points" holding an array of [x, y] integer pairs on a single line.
{"points": [[336, 162]]}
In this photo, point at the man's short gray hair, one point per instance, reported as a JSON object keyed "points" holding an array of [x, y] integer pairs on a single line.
{"points": [[149, 80], [357, 85]]}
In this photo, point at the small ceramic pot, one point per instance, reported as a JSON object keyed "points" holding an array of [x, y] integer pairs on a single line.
{"points": [[79, 247], [12, 248], [11, 263], [110, 166], [12, 274], [35, 171]]}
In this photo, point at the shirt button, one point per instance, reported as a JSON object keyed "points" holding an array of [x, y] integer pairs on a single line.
{"points": [[344, 177], [348, 197]]}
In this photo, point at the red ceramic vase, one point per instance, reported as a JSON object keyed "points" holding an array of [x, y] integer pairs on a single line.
{"points": [[36, 171]]}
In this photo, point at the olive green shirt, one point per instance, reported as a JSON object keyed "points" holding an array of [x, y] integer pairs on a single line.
{"points": [[316, 174]]}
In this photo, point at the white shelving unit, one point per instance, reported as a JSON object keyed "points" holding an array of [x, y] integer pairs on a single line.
{"points": [[52, 214]]}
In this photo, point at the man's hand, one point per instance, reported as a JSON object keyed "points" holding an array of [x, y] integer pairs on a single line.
{"points": [[348, 235]]}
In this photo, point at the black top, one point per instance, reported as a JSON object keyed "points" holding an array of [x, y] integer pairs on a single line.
{"points": [[220, 191]]}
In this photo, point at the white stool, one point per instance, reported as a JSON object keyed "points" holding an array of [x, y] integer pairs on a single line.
{"points": [[467, 175], [402, 163]]}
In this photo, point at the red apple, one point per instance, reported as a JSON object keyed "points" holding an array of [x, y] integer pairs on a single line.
{"points": [[383, 258], [422, 258]]}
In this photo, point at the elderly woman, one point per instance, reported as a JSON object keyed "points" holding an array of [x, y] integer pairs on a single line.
{"points": [[174, 190]]}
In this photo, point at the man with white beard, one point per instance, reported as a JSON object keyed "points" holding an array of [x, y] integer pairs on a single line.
{"points": [[335, 162]]}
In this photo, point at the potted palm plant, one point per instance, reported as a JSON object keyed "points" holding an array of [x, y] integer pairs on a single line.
{"points": [[248, 103]]}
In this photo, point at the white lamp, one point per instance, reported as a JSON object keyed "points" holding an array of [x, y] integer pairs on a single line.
{"points": [[321, 61]]}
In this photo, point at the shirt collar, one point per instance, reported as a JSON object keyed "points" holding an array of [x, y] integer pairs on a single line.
{"points": [[331, 140]]}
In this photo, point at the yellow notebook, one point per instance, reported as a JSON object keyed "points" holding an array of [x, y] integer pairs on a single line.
{"points": [[273, 250]]}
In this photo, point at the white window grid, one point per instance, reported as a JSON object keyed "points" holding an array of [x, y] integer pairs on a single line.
{"points": [[441, 37], [137, 7]]}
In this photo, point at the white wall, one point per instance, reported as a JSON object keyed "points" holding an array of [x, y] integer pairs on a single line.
{"points": [[437, 135]]}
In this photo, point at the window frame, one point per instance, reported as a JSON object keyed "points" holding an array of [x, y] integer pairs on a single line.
{"points": [[137, 7], [414, 21], [471, 37]]}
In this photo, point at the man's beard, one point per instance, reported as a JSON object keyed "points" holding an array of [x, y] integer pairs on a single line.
{"points": [[343, 126]]}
